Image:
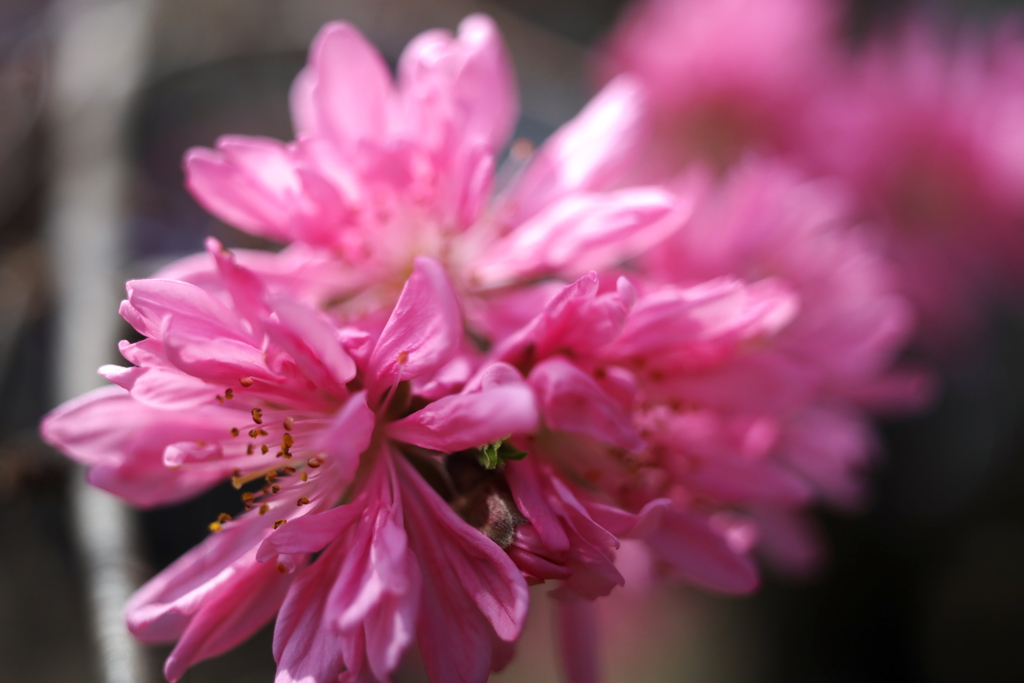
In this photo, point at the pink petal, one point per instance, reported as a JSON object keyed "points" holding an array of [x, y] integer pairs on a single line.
{"points": [[594, 151], [214, 359], [246, 183], [423, 333], [159, 388], [151, 302], [527, 490], [688, 545], [472, 591], [377, 588], [348, 435], [571, 401], [305, 650], [165, 605], [247, 291], [122, 441], [583, 231], [310, 533], [313, 344], [229, 617], [472, 74], [455, 423], [352, 92]]}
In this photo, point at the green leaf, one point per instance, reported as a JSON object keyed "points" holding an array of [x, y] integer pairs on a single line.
{"points": [[497, 453]]}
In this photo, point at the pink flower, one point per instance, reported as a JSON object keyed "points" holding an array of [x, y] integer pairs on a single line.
{"points": [[800, 402], [384, 171], [723, 76], [603, 366], [424, 417], [331, 419]]}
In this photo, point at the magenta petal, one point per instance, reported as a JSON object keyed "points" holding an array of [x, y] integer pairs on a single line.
{"points": [[527, 489], [230, 616], [304, 648], [423, 333], [164, 606], [348, 435], [472, 592], [455, 423], [310, 533], [579, 640], [122, 442], [688, 545], [377, 589], [571, 401]]}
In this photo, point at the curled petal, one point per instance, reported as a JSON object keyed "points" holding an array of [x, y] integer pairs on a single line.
{"points": [[455, 423], [572, 401]]}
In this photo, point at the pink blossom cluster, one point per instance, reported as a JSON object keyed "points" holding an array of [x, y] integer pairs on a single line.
{"points": [[442, 391], [920, 124]]}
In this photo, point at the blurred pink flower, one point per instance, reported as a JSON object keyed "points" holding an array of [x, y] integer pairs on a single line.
{"points": [[926, 130], [834, 366], [723, 76]]}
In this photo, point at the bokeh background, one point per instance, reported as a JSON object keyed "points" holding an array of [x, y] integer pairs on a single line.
{"points": [[927, 585]]}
